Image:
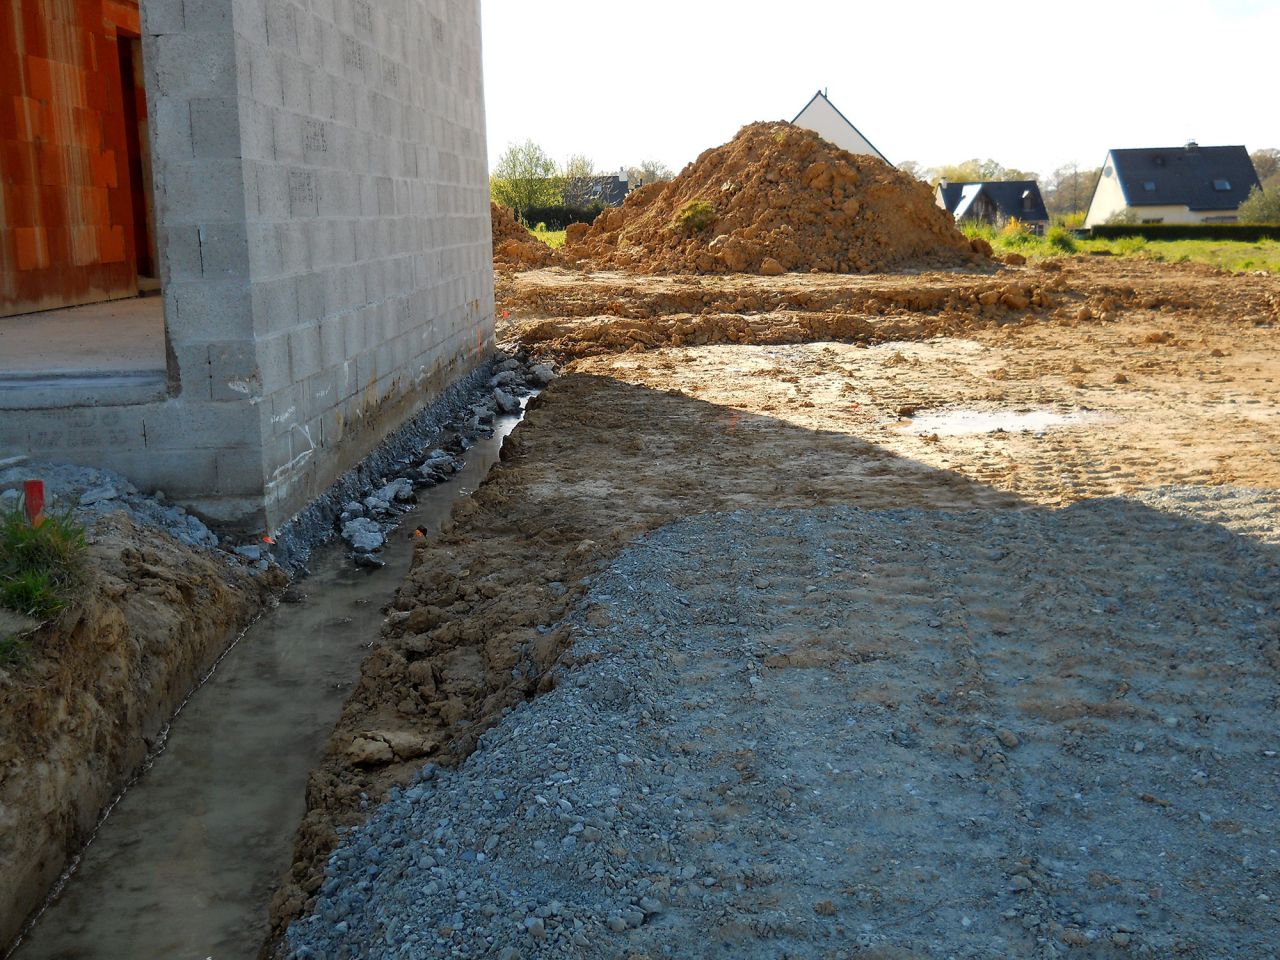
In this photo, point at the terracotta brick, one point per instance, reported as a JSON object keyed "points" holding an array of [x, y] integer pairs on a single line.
{"points": [[84, 246], [22, 205], [32, 248], [111, 245], [39, 78], [17, 162], [123, 16], [26, 118], [89, 129], [105, 170], [97, 205]]}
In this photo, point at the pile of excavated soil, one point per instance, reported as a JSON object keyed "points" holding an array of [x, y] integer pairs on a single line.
{"points": [[776, 198], [514, 248]]}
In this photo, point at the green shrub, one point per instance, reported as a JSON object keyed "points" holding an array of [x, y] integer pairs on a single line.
{"points": [[695, 216], [1060, 239], [41, 570], [1260, 207]]}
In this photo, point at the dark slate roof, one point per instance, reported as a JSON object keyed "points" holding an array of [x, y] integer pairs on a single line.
{"points": [[610, 190], [1185, 176], [1005, 194]]}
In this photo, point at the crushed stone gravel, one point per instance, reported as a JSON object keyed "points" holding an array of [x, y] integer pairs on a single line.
{"points": [[839, 733]]}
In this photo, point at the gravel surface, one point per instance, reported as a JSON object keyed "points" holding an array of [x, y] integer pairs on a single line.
{"points": [[842, 733], [93, 493]]}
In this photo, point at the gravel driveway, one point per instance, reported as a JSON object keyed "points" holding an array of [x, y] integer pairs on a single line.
{"points": [[894, 734]]}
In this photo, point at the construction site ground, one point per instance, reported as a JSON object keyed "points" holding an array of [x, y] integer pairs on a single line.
{"points": [[897, 616]]}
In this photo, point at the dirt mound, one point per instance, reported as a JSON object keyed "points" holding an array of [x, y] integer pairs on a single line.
{"points": [[514, 248], [776, 198]]}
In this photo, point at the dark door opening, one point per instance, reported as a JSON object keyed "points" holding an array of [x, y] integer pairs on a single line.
{"points": [[137, 144]]}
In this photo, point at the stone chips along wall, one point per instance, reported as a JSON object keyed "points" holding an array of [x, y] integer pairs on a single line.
{"points": [[324, 244]]}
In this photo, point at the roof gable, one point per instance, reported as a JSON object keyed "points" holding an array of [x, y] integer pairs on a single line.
{"points": [[823, 117], [1199, 178], [1012, 198]]}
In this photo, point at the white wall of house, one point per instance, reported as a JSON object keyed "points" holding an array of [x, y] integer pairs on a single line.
{"points": [[1108, 199], [825, 120]]}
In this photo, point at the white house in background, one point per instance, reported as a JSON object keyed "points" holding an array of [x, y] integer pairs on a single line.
{"points": [[1188, 184], [821, 116]]}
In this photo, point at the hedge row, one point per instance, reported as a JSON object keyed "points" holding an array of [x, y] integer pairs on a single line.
{"points": [[1246, 232], [557, 218]]}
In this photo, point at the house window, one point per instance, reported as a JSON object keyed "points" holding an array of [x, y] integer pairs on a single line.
{"points": [[1154, 220], [1222, 185], [1149, 186], [1028, 204]]}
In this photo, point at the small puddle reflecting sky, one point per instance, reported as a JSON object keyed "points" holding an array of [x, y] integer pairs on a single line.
{"points": [[956, 423], [185, 865]]}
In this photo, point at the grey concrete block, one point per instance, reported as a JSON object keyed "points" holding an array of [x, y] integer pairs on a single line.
{"points": [[204, 311], [207, 16], [162, 16], [224, 252], [170, 130], [311, 297], [180, 426], [215, 127], [274, 305], [233, 371], [282, 25], [273, 361], [304, 352], [195, 65], [180, 254], [201, 191], [239, 472]]}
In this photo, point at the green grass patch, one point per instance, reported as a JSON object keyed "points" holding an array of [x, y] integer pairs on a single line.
{"points": [[552, 238], [1234, 255], [41, 571], [695, 216]]}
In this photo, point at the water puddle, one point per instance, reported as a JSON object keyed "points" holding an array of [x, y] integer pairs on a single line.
{"points": [[184, 866], [959, 423]]}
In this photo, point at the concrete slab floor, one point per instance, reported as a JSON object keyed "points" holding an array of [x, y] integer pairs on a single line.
{"points": [[118, 337]]}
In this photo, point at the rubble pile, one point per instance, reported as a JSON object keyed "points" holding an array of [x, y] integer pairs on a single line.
{"points": [[514, 248], [774, 199]]}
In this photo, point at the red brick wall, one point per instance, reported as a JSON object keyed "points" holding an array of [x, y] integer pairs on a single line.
{"points": [[66, 203]]}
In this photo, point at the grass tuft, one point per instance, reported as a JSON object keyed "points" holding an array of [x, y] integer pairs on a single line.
{"points": [[695, 216], [41, 570]]}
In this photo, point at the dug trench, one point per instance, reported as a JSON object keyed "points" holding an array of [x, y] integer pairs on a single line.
{"points": [[646, 429], [81, 721]]}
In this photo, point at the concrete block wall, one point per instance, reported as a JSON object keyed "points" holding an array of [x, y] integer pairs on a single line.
{"points": [[367, 222], [324, 247]]}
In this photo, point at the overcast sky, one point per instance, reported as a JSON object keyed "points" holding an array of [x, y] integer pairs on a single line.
{"points": [[1033, 85]]}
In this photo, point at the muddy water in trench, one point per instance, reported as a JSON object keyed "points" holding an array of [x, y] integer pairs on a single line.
{"points": [[183, 867]]}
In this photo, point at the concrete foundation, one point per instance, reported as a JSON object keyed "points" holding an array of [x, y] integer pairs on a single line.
{"points": [[322, 228]]}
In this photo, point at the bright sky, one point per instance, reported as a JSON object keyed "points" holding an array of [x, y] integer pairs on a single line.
{"points": [[1033, 85]]}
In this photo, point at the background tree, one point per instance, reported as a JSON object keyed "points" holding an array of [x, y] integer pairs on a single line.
{"points": [[1267, 163], [914, 169], [578, 175], [524, 177], [1260, 207], [1069, 189], [649, 171]]}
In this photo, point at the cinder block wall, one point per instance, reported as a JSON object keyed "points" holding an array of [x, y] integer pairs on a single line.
{"points": [[361, 134]]}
